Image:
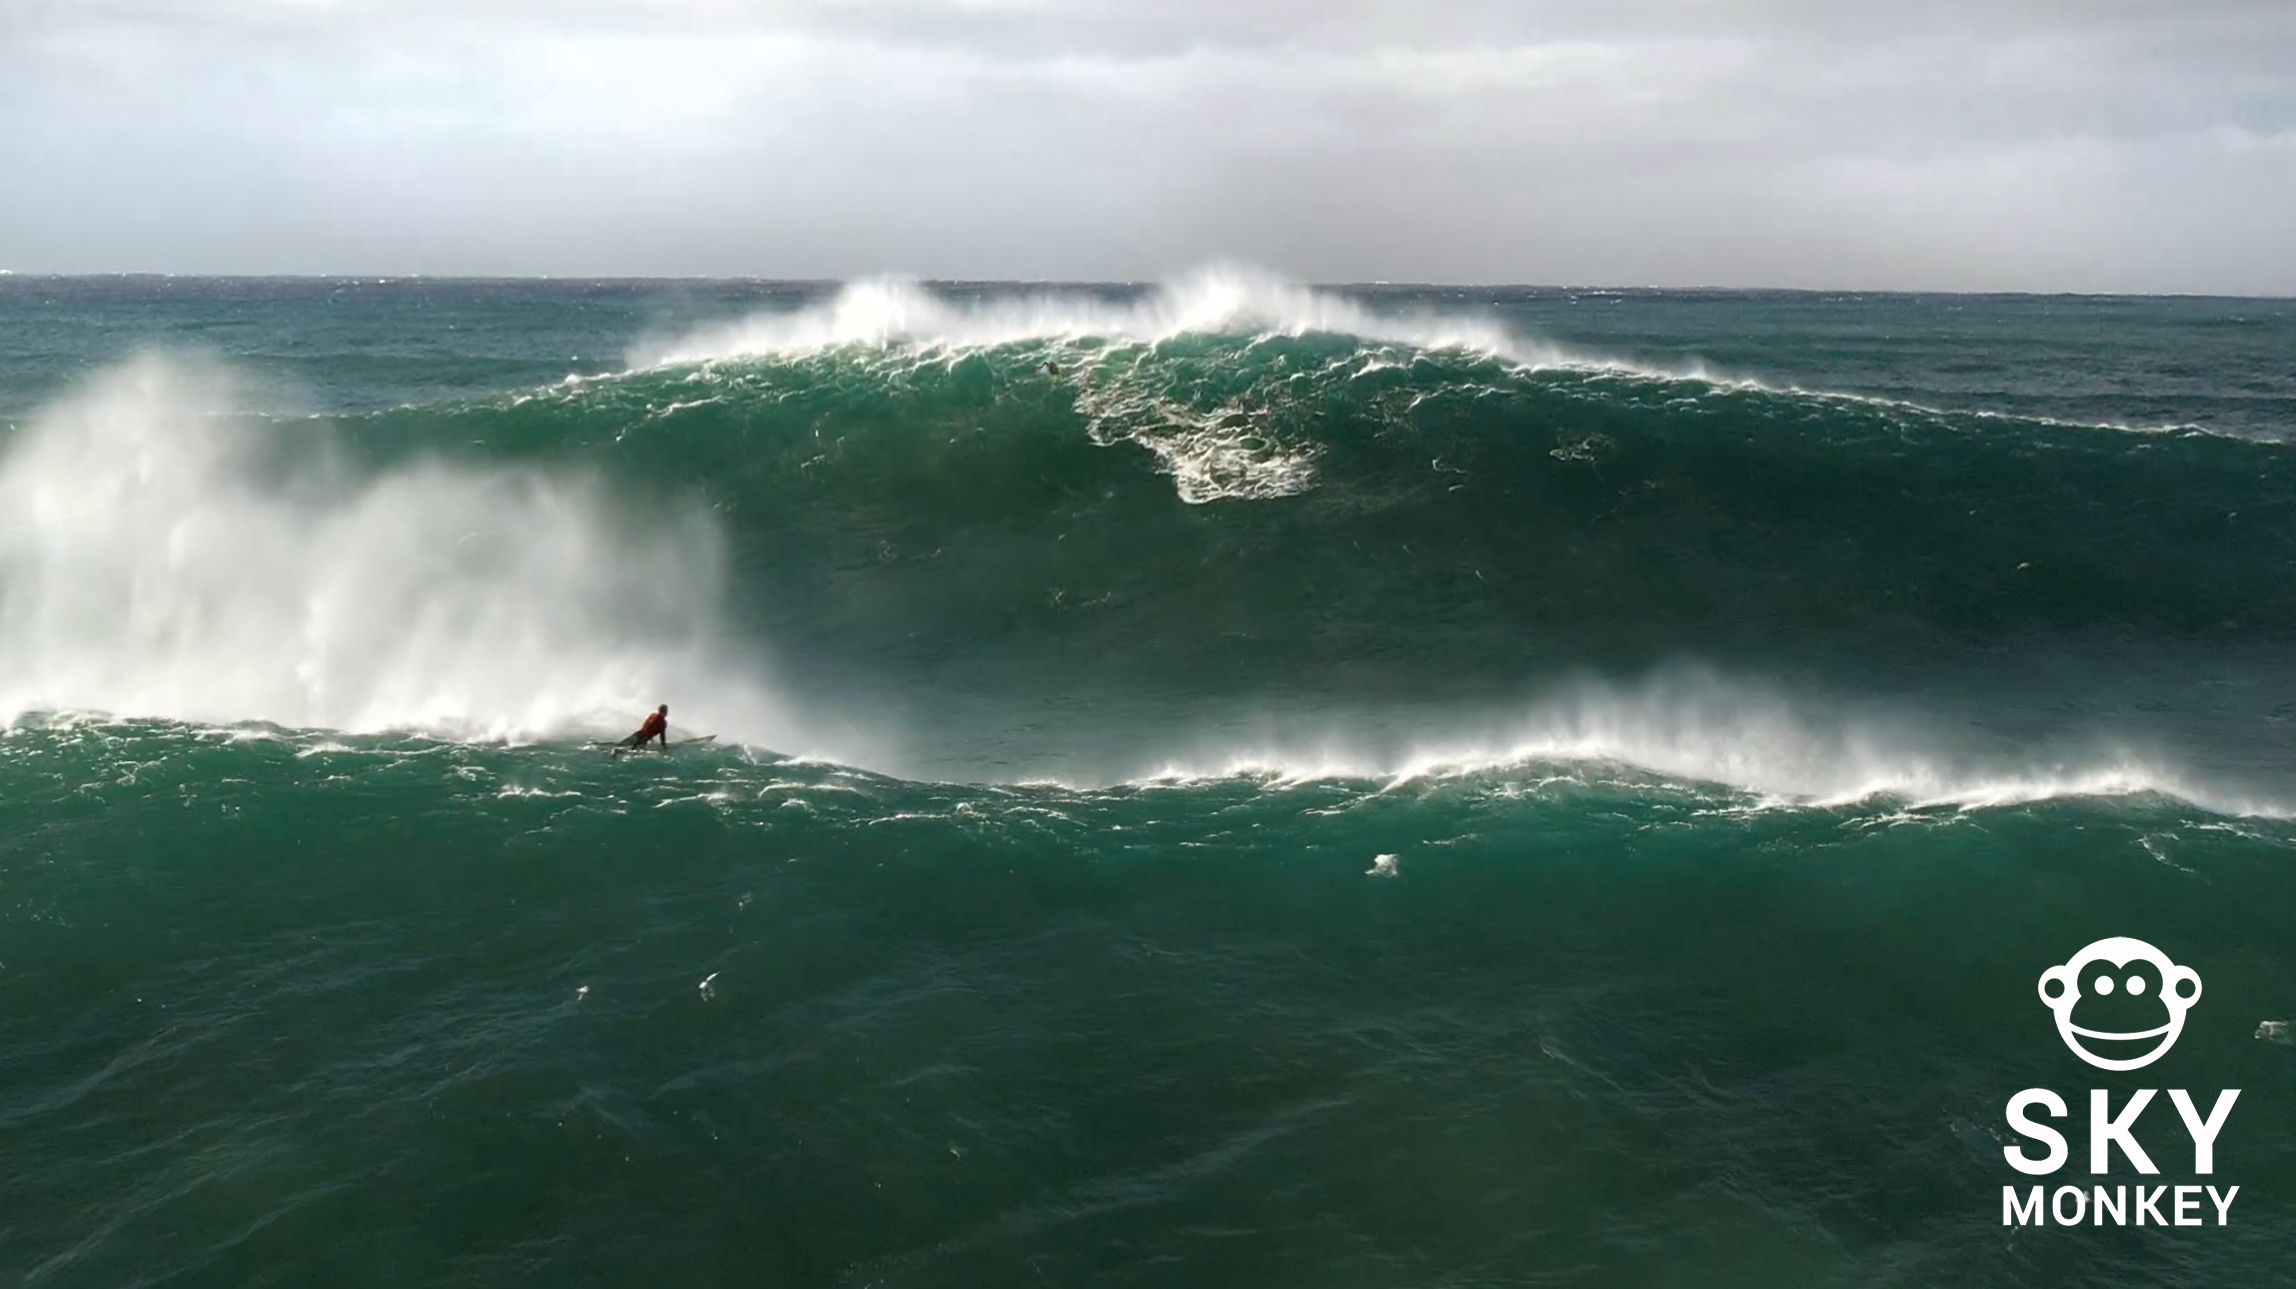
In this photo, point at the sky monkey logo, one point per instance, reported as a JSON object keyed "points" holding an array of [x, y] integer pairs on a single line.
{"points": [[2128, 981], [2120, 1005]]}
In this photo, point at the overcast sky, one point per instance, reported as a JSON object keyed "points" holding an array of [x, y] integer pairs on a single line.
{"points": [[2005, 144]]}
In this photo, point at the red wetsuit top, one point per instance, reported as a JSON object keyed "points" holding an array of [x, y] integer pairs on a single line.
{"points": [[655, 724]]}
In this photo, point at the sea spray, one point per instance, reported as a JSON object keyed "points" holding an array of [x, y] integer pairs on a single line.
{"points": [[1221, 300], [171, 555]]}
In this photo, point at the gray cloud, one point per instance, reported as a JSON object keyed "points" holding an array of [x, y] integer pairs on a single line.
{"points": [[2094, 146]]}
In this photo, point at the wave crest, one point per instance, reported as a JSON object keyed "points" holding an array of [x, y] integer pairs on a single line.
{"points": [[1694, 725], [1219, 300]]}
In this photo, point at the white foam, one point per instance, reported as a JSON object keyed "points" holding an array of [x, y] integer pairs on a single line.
{"points": [[1222, 299], [1235, 451], [162, 555], [1697, 726]]}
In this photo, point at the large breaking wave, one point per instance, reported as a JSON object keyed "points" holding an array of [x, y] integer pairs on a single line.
{"points": [[1230, 525]]}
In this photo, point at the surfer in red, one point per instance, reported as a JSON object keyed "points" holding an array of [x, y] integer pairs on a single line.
{"points": [[657, 726]]}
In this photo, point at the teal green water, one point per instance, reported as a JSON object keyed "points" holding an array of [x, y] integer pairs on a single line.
{"points": [[1378, 789]]}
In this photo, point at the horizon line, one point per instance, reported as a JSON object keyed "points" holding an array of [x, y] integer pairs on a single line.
{"points": [[1361, 284]]}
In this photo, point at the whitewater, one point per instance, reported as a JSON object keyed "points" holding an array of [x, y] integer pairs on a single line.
{"points": [[180, 553]]}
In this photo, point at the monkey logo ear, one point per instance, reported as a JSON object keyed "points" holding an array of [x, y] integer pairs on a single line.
{"points": [[2060, 989]]}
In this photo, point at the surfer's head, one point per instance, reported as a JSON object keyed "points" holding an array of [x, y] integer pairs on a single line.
{"points": [[663, 710]]}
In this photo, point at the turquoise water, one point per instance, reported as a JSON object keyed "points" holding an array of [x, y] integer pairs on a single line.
{"points": [[1352, 788]]}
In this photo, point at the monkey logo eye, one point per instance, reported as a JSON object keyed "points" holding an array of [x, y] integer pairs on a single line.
{"points": [[2061, 991]]}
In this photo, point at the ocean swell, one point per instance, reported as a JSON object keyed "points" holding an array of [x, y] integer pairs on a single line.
{"points": [[1096, 534]]}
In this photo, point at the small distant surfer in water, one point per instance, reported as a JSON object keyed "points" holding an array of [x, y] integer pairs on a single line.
{"points": [[657, 726]]}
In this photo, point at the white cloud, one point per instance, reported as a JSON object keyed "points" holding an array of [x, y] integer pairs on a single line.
{"points": [[2037, 145]]}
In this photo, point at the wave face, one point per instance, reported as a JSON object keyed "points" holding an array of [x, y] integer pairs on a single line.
{"points": [[1093, 536], [1229, 522], [1216, 783]]}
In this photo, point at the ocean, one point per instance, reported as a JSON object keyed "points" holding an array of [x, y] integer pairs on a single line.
{"points": [[1217, 782]]}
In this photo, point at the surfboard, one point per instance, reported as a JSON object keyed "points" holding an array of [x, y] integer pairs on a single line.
{"points": [[621, 745]]}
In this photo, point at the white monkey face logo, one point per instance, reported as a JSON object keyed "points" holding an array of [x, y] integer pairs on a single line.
{"points": [[2135, 979]]}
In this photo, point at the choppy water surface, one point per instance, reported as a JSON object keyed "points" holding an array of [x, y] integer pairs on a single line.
{"points": [[1216, 783]]}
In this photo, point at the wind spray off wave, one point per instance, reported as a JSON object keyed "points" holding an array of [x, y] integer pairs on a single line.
{"points": [[1740, 734], [1218, 301], [168, 554]]}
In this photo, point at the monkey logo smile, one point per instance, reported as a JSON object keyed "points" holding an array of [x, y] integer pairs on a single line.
{"points": [[2103, 966]]}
